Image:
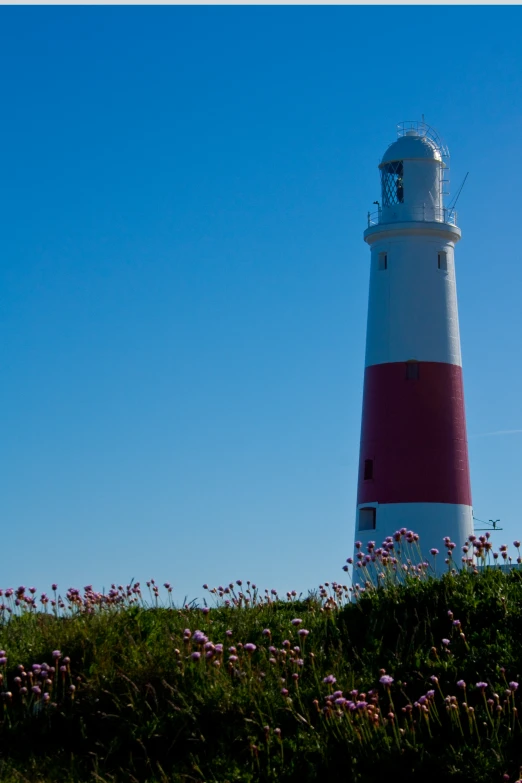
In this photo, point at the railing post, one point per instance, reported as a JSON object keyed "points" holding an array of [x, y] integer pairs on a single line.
{"points": [[369, 220]]}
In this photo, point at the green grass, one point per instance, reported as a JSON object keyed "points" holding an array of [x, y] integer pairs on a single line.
{"points": [[144, 710]]}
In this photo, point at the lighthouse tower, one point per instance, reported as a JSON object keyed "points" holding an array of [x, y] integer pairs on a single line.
{"points": [[413, 465]]}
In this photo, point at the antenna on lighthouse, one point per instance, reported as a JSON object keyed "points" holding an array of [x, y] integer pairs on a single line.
{"points": [[459, 192], [491, 522]]}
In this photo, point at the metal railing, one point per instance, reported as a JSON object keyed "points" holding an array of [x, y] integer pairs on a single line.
{"points": [[423, 129], [424, 214]]}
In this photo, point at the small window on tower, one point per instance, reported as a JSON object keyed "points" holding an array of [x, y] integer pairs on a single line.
{"points": [[412, 370], [368, 469], [367, 518], [443, 261], [383, 261]]}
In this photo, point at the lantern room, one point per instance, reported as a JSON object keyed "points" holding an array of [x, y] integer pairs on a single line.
{"points": [[413, 176]]}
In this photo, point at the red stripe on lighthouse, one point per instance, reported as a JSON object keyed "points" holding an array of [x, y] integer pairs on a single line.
{"points": [[414, 431]]}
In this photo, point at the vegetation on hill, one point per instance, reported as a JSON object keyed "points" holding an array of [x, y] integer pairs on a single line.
{"points": [[404, 677]]}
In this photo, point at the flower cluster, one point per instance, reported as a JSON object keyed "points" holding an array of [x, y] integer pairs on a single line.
{"points": [[16, 601], [399, 559], [39, 684]]}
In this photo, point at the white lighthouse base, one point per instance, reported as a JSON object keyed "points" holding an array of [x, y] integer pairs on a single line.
{"points": [[432, 521]]}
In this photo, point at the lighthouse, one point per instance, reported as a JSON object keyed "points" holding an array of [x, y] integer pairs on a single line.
{"points": [[413, 464]]}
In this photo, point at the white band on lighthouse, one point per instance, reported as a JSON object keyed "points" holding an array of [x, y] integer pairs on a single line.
{"points": [[412, 309], [413, 468]]}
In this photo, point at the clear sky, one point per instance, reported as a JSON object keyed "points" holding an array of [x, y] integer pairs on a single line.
{"points": [[184, 283]]}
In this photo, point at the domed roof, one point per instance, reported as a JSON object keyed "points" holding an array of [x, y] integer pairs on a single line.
{"points": [[411, 145]]}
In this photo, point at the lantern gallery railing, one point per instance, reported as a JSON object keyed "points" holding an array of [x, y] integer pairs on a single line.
{"points": [[427, 214], [423, 129]]}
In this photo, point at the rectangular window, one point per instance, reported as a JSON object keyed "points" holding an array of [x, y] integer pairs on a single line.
{"points": [[383, 261], [368, 469], [443, 261], [412, 371], [367, 518]]}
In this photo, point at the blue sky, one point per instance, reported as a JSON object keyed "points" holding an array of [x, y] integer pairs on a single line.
{"points": [[184, 282]]}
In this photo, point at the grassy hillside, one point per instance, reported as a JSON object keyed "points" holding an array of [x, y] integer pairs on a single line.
{"points": [[414, 679]]}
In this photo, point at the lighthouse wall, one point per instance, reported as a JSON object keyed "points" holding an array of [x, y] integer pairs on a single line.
{"points": [[414, 433], [432, 521], [412, 307], [413, 466]]}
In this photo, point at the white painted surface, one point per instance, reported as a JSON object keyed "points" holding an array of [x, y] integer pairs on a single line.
{"points": [[432, 521], [422, 180], [412, 307], [422, 193], [411, 145]]}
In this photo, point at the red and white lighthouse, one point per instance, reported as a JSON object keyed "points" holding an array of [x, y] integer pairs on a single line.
{"points": [[413, 465]]}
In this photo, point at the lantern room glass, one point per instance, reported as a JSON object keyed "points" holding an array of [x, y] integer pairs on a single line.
{"points": [[392, 183]]}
